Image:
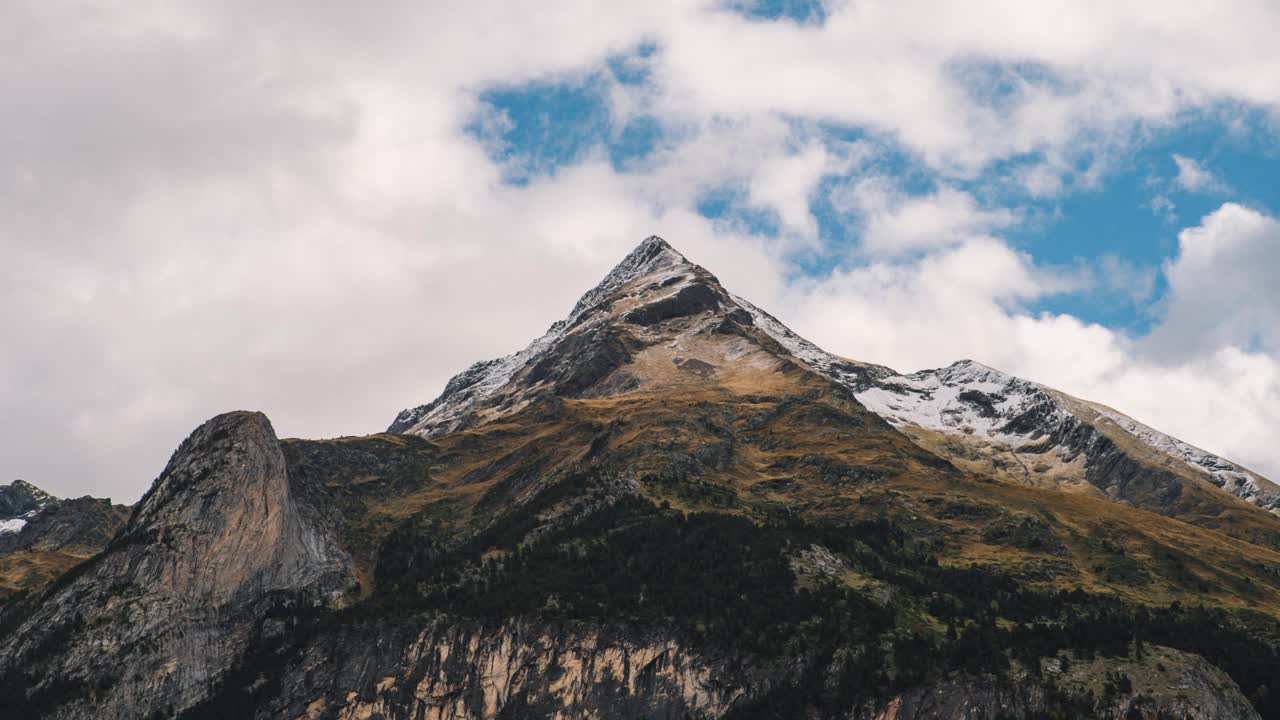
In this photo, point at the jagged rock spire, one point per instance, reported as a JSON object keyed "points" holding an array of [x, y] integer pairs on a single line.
{"points": [[653, 259], [19, 497], [217, 536], [653, 256]]}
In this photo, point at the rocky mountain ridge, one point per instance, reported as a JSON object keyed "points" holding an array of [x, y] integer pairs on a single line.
{"points": [[677, 285], [971, 399], [988, 421], [42, 536], [668, 506], [19, 501]]}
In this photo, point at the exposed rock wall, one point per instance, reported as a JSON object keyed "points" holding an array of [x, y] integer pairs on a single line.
{"points": [[1195, 691], [153, 621], [452, 669], [447, 668]]}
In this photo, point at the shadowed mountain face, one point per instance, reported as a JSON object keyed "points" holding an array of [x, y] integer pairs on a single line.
{"points": [[671, 506]]}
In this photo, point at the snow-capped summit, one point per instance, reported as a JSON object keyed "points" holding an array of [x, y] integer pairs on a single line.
{"points": [[652, 271], [978, 418]]}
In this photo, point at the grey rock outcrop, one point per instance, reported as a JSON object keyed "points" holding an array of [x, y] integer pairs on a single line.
{"points": [[20, 497], [152, 622], [454, 669], [451, 668], [83, 525]]}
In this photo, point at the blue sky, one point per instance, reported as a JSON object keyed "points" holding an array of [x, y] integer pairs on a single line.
{"points": [[1127, 216], [324, 212]]}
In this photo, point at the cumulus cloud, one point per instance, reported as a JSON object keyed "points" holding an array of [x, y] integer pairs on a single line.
{"points": [[943, 87], [924, 311], [787, 182], [1222, 289]]}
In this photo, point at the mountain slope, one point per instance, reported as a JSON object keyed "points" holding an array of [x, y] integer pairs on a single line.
{"points": [[152, 621], [536, 547], [42, 536], [973, 400], [1022, 418], [662, 508], [620, 337]]}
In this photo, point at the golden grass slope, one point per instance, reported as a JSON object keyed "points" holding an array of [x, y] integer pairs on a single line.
{"points": [[717, 424]]}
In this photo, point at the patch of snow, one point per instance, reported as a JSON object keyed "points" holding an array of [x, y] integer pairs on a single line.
{"points": [[12, 525], [930, 398], [966, 397]]}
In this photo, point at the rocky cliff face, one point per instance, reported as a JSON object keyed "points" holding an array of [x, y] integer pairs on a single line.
{"points": [[452, 668], [20, 497], [152, 622], [456, 669]]}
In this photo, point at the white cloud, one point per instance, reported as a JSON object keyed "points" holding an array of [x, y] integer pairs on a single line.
{"points": [[1126, 279], [1222, 289], [1162, 206], [893, 222], [1193, 177], [922, 312], [786, 183], [1104, 67]]}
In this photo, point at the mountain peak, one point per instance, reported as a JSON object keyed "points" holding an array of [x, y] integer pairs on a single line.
{"points": [[22, 486], [651, 255], [244, 435], [652, 284], [654, 257], [21, 497]]}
